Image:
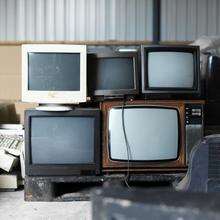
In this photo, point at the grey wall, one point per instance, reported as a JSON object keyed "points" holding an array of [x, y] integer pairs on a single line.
{"points": [[188, 19], [75, 20], [50, 20]]}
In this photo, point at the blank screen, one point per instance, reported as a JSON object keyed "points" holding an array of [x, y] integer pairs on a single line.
{"points": [[170, 69], [112, 73], [62, 140], [152, 133], [54, 71]]}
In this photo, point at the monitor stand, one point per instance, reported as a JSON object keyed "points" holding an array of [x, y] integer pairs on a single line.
{"points": [[54, 108]]}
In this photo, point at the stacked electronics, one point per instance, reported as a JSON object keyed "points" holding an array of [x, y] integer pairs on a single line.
{"points": [[143, 115]]}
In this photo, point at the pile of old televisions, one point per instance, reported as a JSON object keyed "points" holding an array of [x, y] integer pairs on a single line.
{"points": [[108, 109]]}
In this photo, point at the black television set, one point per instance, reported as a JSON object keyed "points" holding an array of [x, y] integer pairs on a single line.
{"points": [[213, 79], [212, 117], [170, 69], [62, 143], [112, 74]]}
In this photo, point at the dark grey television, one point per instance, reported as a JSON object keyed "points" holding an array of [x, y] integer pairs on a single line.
{"points": [[170, 69], [62, 143], [112, 74]]}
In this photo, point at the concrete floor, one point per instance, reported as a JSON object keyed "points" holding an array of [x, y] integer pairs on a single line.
{"points": [[13, 206]]}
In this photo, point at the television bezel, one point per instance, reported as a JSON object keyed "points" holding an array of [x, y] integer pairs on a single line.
{"points": [[146, 89], [63, 169], [161, 165], [54, 97], [114, 92]]}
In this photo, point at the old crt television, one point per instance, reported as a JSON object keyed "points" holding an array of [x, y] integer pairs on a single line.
{"points": [[113, 74], [170, 70], [53, 73], [213, 79], [155, 135], [62, 143], [212, 116]]}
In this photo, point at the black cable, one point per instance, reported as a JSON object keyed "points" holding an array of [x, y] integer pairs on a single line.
{"points": [[128, 149]]}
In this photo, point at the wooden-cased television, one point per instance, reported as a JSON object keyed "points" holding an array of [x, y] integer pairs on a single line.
{"points": [[148, 135]]}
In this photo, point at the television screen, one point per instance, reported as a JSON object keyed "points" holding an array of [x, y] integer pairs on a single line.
{"points": [[54, 71], [170, 70], [152, 132], [112, 73], [62, 140]]}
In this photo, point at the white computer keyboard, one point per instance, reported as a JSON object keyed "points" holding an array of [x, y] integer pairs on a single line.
{"points": [[11, 144]]}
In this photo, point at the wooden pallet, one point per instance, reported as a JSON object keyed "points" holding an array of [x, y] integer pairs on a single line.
{"points": [[77, 188]]}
